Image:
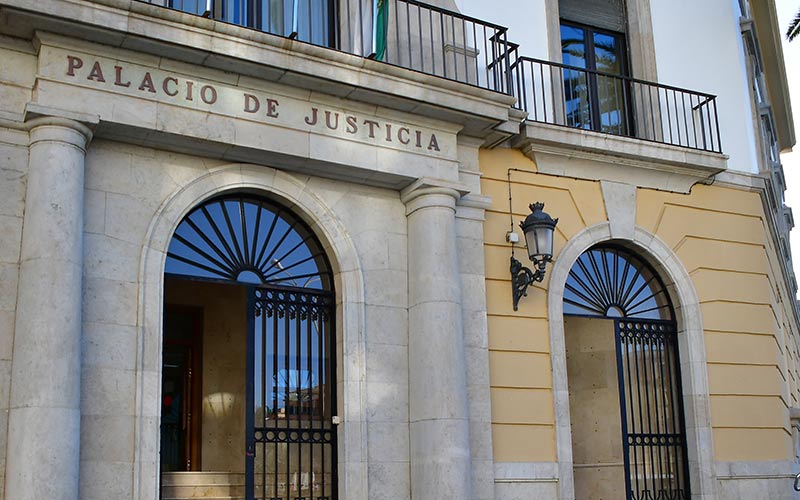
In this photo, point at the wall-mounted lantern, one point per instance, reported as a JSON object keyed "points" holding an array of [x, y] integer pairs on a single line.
{"points": [[538, 228]]}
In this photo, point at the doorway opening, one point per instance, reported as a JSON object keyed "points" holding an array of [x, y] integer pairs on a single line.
{"points": [[626, 400], [248, 364]]}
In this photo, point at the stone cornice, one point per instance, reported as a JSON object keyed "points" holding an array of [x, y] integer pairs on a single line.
{"points": [[584, 154]]}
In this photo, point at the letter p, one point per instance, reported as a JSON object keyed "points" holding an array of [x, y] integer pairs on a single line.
{"points": [[73, 63]]}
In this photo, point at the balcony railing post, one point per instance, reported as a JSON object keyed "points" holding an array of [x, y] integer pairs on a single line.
{"points": [[507, 65], [716, 122]]}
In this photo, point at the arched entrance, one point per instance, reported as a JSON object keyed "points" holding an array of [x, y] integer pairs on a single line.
{"points": [[248, 389], [626, 404]]}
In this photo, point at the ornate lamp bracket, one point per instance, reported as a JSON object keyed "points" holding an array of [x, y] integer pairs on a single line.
{"points": [[522, 277]]}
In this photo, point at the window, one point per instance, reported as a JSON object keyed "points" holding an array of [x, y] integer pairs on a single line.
{"points": [[595, 97], [312, 22]]}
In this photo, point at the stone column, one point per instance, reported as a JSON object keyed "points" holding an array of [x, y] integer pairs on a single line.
{"points": [[438, 402], [44, 415]]}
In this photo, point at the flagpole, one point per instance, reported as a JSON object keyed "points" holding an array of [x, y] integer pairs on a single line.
{"points": [[293, 35], [374, 50]]}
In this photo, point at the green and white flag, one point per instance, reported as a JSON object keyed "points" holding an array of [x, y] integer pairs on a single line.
{"points": [[381, 25]]}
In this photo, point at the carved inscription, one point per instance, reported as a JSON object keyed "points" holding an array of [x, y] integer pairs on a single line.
{"points": [[178, 89]]}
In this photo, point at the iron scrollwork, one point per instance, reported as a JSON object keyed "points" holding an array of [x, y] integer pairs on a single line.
{"points": [[522, 277]]}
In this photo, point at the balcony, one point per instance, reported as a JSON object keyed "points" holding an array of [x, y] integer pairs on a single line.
{"points": [[575, 97], [404, 33]]}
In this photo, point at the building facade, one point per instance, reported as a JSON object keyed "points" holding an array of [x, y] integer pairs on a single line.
{"points": [[261, 250]]}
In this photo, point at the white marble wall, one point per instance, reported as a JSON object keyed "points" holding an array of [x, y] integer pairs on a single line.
{"points": [[526, 481], [768, 480], [17, 74], [125, 188], [13, 170]]}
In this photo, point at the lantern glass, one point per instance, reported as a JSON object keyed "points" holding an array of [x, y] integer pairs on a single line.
{"points": [[540, 242]]}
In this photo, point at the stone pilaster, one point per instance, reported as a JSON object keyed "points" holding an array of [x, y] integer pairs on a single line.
{"points": [[438, 399], [469, 230], [44, 415]]}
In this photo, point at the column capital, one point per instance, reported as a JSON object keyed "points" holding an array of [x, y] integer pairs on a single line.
{"points": [[428, 192], [50, 124]]}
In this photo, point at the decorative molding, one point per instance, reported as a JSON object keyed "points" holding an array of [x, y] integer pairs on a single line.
{"points": [[83, 123], [585, 154], [474, 200], [778, 469], [429, 186]]}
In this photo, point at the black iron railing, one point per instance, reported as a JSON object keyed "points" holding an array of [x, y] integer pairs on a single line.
{"points": [[576, 97], [447, 44], [404, 33]]}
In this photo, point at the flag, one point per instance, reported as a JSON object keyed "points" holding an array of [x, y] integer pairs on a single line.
{"points": [[381, 28]]}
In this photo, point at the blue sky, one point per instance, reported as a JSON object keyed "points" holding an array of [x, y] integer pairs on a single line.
{"points": [[791, 161]]}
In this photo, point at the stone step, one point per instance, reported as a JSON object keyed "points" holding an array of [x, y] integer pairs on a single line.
{"points": [[203, 498], [203, 491], [211, 486], [202, 485], [191, 478]]}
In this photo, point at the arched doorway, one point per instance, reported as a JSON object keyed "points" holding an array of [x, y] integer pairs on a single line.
{"points": [[248, 389], [626, 409]]}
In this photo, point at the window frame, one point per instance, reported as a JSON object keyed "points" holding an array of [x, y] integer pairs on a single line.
{"points": [[590, 59]]}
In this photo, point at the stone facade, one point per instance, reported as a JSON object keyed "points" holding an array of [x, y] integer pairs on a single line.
{"points": [[118, 117]]}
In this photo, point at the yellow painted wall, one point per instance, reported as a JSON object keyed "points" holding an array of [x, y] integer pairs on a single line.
{"points": [[519, 343], [720, 236]]}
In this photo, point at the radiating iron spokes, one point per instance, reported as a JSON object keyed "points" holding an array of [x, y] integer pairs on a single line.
{"points": [[248, 239], [611, 282]]}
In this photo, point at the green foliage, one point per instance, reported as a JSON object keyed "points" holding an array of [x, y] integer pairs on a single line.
{"points": [[794, 27]]}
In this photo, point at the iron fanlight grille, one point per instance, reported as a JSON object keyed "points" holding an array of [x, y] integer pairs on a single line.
{"points": [[248, 239], [612, 282]]}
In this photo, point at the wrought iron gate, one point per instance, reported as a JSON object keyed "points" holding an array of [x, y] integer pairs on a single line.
{"points": [[653, 430], [291, 438], [611, 282]]}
